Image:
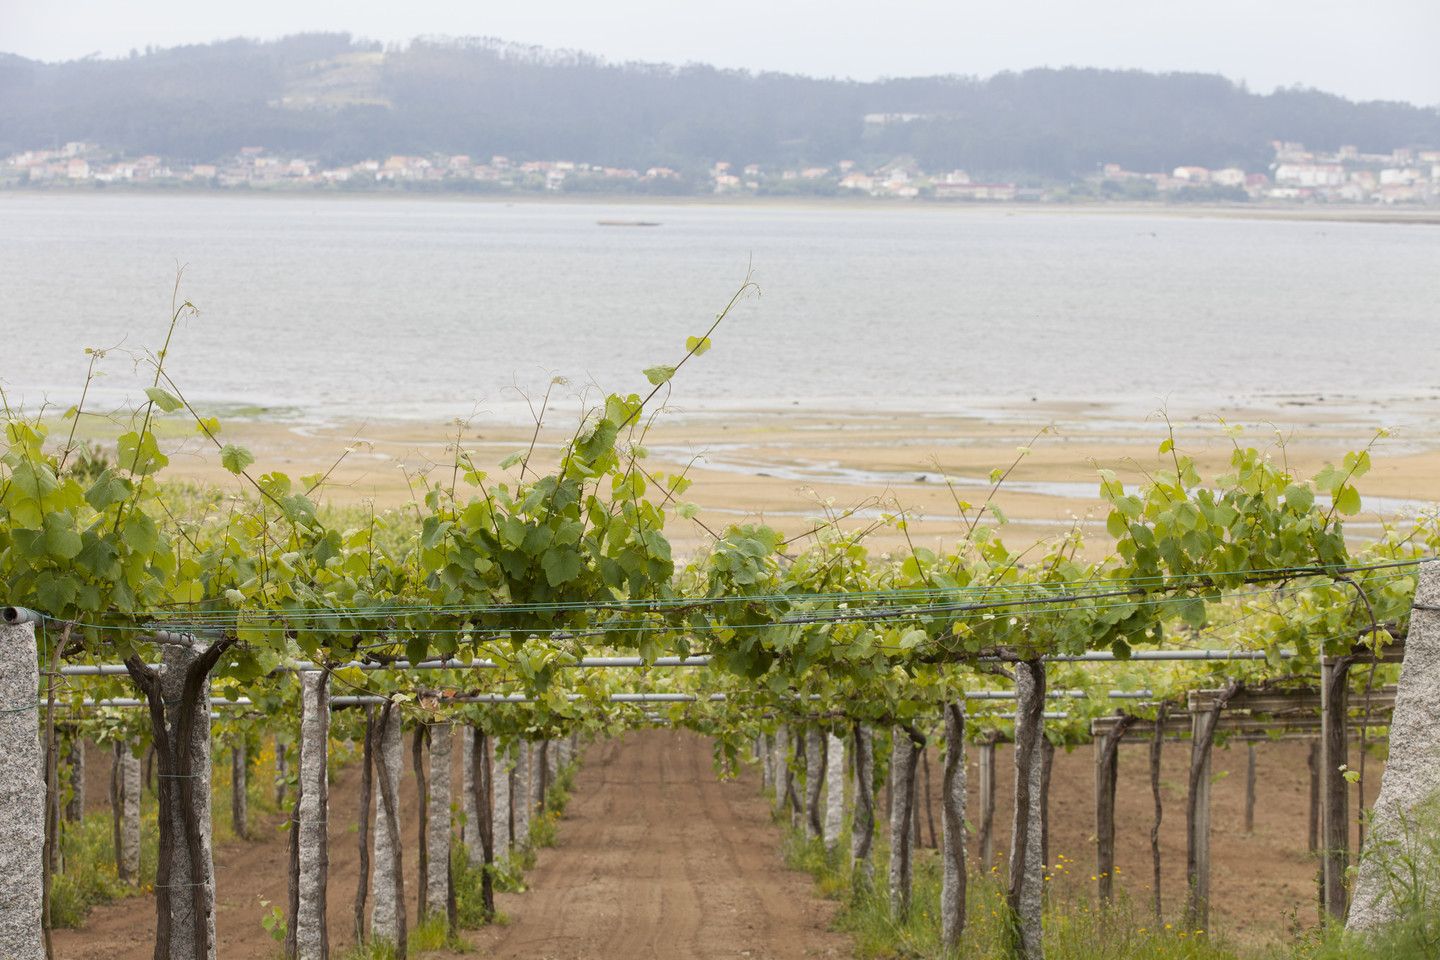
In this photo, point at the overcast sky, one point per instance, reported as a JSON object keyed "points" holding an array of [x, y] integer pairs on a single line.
{"points": [[1381, 49]]}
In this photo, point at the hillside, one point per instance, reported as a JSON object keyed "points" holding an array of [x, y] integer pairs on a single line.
{"points": [[329, 96]]}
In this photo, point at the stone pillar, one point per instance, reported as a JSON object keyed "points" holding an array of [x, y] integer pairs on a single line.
{"points": [[22, 795], [539, 774], [904, 755], [782, 766], [437, 881], [470, 833], [1402, 830], [129, 867], [520, 801], [312, 941], [501, 783], [834, 788], [767, 761], [386, 878]]}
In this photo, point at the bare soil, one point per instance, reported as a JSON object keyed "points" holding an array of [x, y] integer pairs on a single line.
{"points": [[658, 858]]}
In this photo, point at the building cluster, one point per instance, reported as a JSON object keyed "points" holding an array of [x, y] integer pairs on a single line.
{"points": [[1347, 175], [901, 178], [253, 166]]}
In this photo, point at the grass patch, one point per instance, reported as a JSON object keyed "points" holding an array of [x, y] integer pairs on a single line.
{"points": [[89, 877]]}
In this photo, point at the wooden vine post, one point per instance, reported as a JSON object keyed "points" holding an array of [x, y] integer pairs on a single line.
{"points": [[1157, 745], [483, 800], [1047, 763], [367, 776], [1204, 715], [1107, 769], [1334, 789], [1312, 762], [814, 780], [1249, 789], [179, 701]]}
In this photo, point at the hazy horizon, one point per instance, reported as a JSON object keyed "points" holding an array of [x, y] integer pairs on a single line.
{"points": [[1287, 43]]}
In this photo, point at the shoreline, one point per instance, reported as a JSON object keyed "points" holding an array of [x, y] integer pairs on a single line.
{"points": [[791, 469], [1409, 216]]}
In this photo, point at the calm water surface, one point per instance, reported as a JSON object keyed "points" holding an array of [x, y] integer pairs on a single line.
{"points": [[397, 308]]}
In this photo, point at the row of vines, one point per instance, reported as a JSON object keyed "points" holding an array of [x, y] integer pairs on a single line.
{"points": [[512, 589]]}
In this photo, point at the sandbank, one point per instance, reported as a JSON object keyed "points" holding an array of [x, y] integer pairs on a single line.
{"points": [[796, 468]]}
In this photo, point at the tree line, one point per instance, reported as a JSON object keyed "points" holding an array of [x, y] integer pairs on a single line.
{"points": [[481, 97]]}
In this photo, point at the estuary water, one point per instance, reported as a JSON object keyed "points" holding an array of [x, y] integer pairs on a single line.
{"points": [[396, 308]]}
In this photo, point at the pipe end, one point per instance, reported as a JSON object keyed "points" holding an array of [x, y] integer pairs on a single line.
{"points": [[14, 616]]}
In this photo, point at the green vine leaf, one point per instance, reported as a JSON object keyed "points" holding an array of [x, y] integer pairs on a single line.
{"points": [[163, 399], [235, 458]]}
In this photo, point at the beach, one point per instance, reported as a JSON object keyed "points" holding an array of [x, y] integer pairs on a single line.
{"points": [[797, 469]]}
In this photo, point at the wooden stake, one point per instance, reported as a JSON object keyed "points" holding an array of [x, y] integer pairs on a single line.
{"points": [[1314, 831], [1334, 792], [1106, 778], [1250, 790], [1157, 743]]}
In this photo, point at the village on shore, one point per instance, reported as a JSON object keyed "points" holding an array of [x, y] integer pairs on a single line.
{"points": [[1295, 175]]}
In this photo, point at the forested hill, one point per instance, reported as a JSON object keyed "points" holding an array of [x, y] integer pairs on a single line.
{"points": [[330, 97]]}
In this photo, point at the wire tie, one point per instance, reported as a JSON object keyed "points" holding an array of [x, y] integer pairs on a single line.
{"points": [[179, 776], [20, 708], [166, 886]]}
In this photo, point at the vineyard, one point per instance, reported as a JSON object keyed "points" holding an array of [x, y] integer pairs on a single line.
{"points": [[502, 622]]}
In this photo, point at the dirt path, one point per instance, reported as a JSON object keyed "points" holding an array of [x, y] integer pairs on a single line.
{"points": [[658, 858]]}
